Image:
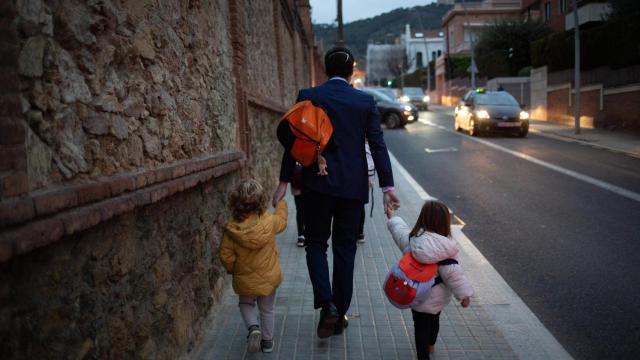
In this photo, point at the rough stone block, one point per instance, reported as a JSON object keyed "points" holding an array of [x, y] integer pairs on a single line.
{"points": [[16, 210], [30, 60], [56, 200]]}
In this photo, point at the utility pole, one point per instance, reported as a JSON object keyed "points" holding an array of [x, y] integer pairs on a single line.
{"points": [[576, 86], [473, 61], [426, 53], [340, 34]]}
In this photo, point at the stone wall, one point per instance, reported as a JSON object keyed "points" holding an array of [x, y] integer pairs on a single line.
{"points": [[123, 126]]}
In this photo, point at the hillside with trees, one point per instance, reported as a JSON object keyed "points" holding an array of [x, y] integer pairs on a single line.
{"points": [[383, 28]]}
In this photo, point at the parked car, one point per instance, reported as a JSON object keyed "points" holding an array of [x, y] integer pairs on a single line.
{"points": [[491, 111], [390, 92], [392, 113], [415, 96]]}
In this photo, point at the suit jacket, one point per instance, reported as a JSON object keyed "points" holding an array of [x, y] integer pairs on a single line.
{"points": [[354, 116]]}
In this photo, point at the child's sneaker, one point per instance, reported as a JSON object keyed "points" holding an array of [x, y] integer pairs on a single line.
{"points": [[361, 239], [267, 346], [254, 338], [300, 241]]}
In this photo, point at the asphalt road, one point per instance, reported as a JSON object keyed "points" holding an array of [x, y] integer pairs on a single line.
{"points": [[569, 248]]}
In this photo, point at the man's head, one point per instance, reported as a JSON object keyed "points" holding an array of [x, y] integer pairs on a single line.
{"points": [[339, 62]]}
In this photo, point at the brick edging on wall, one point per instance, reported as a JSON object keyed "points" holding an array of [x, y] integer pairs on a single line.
{"points": [[46, 217]]}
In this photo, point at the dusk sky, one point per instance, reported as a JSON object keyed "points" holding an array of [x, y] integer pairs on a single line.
{"points": [[324, 11]]}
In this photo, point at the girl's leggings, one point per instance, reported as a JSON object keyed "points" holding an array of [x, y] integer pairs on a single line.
{"points": [[266, 305], [426, 327]]}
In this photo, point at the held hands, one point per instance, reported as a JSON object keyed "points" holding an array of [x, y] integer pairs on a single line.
{"points": [[279, 194], [391, 203], [465, 302]]}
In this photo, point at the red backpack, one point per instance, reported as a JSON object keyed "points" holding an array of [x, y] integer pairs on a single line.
{"points": [[312, 129], [409, 282]]}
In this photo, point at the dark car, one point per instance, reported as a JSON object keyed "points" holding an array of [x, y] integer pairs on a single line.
{"points": [[491, 111], [392, 113], [415, 96]]}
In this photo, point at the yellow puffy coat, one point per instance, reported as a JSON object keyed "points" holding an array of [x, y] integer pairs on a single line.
{"points": [[249, 252]]}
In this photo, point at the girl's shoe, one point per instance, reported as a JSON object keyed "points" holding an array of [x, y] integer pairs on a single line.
{"points": [[254, 338], [361, 239], [267, 346], [300, 241]]}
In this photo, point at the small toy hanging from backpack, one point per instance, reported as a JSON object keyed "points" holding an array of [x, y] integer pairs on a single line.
{"points": [[311, 129], [409, 282]]}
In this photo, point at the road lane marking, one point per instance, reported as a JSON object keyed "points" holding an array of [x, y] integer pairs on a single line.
{"points": [[449, 149], [574, 174]]}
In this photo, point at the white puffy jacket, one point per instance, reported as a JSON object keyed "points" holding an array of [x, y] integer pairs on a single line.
{"points": [[429, 248]]}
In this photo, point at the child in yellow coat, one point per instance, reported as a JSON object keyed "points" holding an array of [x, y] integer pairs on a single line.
{"points": [[249, 252]]}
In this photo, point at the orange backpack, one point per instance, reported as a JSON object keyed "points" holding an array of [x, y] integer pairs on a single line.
{"points": [[312, 130]]}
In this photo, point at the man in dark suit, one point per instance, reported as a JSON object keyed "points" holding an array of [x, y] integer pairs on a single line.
{"points": [[333, 203]]}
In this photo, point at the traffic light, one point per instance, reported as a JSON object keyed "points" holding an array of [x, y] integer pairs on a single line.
{"points": [[389, 82]]}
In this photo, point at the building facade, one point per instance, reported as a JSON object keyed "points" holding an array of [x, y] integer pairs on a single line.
{"points": [[123, 127], [559, 13], [378, 62], [461, 26], [422, 47]]}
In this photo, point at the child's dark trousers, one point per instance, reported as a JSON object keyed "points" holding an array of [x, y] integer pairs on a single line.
{"points": [[426, 327]]}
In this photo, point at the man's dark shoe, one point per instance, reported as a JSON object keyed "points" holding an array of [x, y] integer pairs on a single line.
{"points": [[328, 319], [341, 324]]}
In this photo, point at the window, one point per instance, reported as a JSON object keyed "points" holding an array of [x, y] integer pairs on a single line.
{"points": [[470, 34], [547, 11], [563, 6], [433, 55], [419, 59], [439, 53]]}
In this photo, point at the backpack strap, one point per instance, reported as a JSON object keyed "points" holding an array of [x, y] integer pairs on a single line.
{"points": [[444, 262]]}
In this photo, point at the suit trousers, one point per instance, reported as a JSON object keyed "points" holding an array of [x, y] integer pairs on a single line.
{"points": [[329, 216]]}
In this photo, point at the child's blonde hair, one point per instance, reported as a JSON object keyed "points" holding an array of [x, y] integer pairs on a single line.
{"points": [[248, 198]]}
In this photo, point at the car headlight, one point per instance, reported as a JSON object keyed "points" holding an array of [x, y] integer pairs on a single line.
{"points": [[426, 99], [483, 114], [407, 108], [524, 115], [404, 98]]}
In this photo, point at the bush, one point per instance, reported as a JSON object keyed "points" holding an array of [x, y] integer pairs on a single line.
{"points": [[456, 67]]}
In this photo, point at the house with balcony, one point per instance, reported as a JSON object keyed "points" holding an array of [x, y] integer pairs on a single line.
{"points": [[559, 13], [422, 47]]}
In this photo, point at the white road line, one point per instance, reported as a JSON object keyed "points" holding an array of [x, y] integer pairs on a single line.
{"points": [[576, 175], [414, 184]]}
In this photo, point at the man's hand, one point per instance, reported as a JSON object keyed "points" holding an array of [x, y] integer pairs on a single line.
{"points": [[391, 200], [279, 194], [465, 302]]}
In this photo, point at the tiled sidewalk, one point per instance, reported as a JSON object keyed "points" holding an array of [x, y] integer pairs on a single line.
{"points": [[376, 330]]}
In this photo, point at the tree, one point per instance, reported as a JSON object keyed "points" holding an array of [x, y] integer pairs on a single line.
{"points": [[398, 63], [503, 49]]}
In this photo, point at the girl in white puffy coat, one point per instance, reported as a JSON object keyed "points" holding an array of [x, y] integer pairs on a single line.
{"points": [[430, 242]]}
